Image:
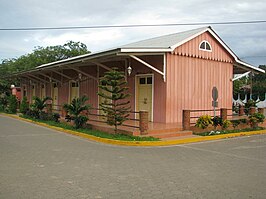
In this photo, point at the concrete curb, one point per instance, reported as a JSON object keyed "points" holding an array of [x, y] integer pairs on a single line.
{"points": [[142, 143]]}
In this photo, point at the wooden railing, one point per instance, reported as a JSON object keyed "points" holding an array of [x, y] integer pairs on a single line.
{"points": [[190, 116], [141, 123]]}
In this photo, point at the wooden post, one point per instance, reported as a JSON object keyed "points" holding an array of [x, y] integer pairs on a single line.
{"points": [[223, 113], [252, 110], [261, 110], [49, 108], [143, 122], [63, 113], [241, 110], [186, 119]]}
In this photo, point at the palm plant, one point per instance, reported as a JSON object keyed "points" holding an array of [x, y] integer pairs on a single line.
{"points": [[75, 108], [39, 104]]}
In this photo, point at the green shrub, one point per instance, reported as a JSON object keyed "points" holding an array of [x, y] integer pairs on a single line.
{"points": [[39, 104], [226, 124], [217, 121], [243, 121], [55, 117], [80, 121], [12, 104], [75, 109], [32, 114], [204, 121], [256, 118], [3, 103], [250, 103], [24, 106], [44, 116], [235, 123]]}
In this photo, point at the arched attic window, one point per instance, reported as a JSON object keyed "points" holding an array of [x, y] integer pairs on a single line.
{"points": [[205, 45]]}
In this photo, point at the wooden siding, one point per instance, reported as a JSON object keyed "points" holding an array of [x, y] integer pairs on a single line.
{"points": [[48, 90], [191, 49], [159, 106], [190, 82], [63, 93], [89, 87]]}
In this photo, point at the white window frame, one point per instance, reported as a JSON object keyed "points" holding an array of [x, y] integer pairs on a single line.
{"points": [[205, 42]]}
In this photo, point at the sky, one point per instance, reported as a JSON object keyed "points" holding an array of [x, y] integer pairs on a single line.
{"points": [[248, 41]]}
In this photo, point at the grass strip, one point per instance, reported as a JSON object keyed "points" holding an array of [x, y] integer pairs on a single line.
{"points": [[95, 133], [214, 132]]}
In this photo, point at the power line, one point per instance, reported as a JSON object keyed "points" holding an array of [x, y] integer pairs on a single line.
{"points": [[131, 25], [253, 56]]}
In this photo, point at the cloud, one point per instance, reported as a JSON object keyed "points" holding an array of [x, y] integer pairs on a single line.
{"points": [[50, 13]]}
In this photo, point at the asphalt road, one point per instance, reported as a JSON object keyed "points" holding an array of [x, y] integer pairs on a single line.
{"points": [[36, 162]]}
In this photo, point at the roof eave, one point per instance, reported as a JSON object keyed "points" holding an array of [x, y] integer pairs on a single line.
{"points": [[80, 58], [249, 67], [145, 50]]}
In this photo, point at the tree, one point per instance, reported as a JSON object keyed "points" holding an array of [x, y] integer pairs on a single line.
{"points": [[255, 82], [116, 105], [39, 56], [12, 104], [75, 108], [43, 55], [259, 84]]}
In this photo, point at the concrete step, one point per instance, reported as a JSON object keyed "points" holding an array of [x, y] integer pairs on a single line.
{"points": [[169, 134], [160, 131], [155, 132]]}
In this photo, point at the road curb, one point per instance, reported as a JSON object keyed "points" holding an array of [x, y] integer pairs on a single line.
{"points": [[142, 143]]}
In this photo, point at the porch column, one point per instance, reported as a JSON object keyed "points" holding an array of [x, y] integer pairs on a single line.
{"points": [[143, 122], [241, 110], [223, 113], [186, 119]]}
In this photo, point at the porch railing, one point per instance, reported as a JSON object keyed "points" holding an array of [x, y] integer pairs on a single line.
{"points": [[132, 122], [190, 116]]}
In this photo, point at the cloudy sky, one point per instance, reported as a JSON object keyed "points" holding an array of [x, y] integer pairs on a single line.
{"points": [[248, 41]]}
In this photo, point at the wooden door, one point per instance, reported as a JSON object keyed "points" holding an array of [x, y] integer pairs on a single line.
{"points": [[144, 94], [74, 91]]}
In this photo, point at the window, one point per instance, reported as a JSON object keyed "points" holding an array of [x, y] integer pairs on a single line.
{"points": [[74, 84], [149, 80], [142, 80], [205, 45]]}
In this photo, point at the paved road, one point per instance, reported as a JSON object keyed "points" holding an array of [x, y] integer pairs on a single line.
{"points": [[36, 162]]}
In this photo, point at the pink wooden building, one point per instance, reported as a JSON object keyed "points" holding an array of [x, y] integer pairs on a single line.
{"points": [[169, 74]]}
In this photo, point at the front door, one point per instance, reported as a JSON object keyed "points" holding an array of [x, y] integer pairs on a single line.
{"points": [[55, 96], [74, 91], [144, 94]]}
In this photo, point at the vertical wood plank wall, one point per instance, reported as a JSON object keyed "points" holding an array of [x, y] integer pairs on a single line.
{"points": [[191, 75]]}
